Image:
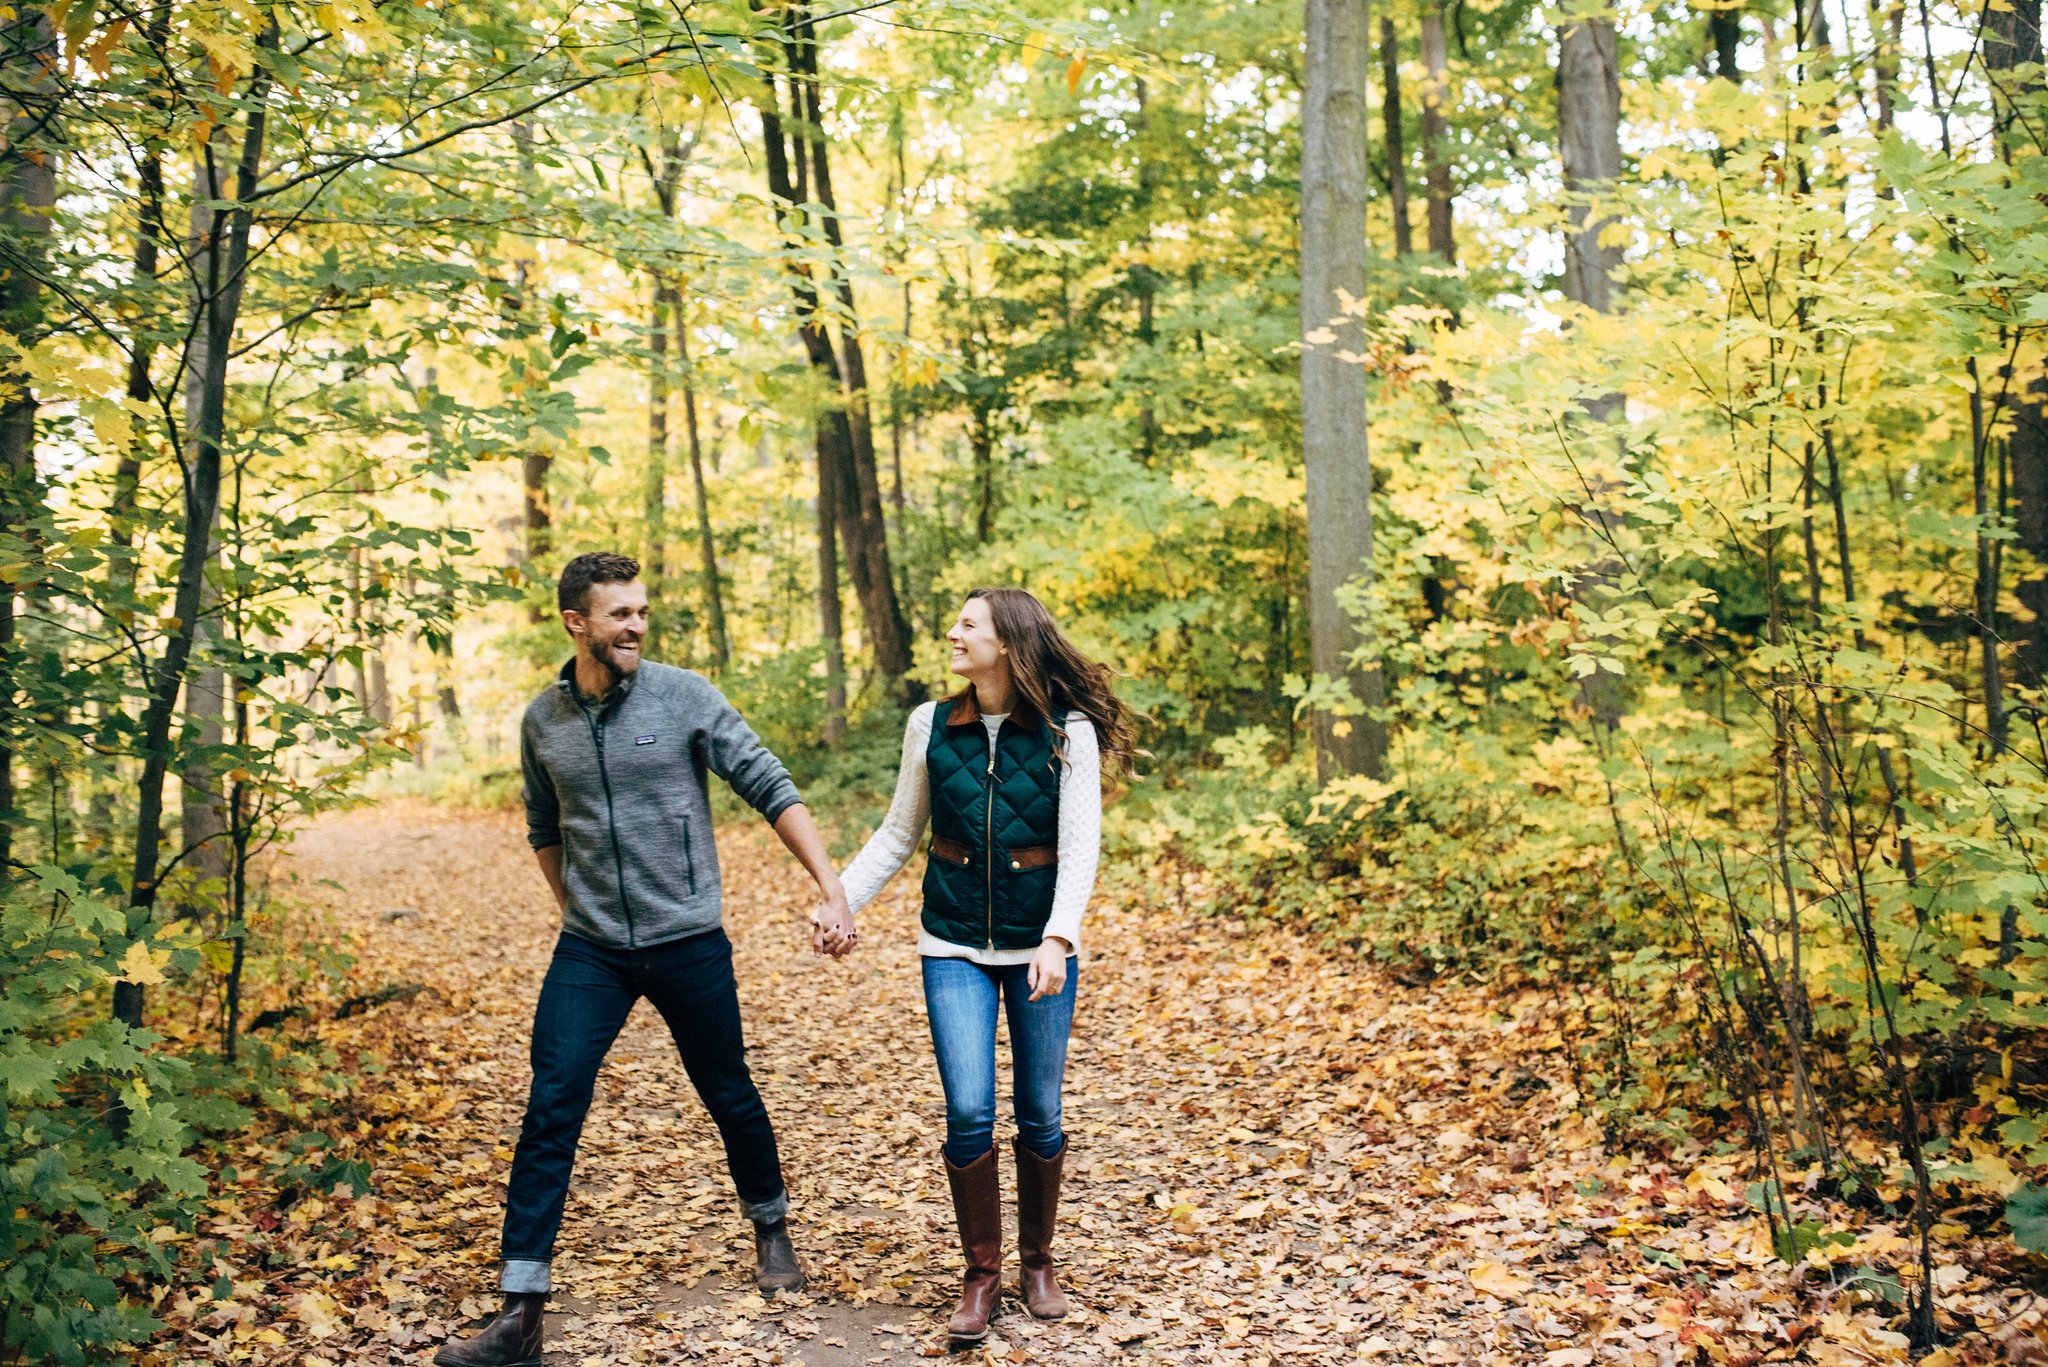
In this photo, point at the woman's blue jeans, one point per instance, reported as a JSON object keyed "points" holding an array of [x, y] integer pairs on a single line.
{"points": [[961, 998]]}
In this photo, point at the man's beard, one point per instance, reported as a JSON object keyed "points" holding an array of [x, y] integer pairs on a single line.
{"points": [[606, 656]]}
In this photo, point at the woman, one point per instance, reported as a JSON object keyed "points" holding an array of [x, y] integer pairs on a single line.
{"points": [[1009, 773]]}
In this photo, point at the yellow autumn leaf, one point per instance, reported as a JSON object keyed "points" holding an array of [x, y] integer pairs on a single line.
{"points": [[1997, 1173], [141, 967], [230, 53], [1074, 70], [1497, 1279], [1711, 1185]]}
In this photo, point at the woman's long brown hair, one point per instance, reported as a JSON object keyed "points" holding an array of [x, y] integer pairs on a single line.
{"points": [[1054, 678]]}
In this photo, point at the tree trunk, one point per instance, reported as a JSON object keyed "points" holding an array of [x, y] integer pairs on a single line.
{"points": [[380, 674], [1146, 282], [373, 692], [834, 439], [666, 174], [203, 818], [352, 585], [862, 527], [1333, 428], [2012, 42], [1397, 153], [1887, 31], [27, 197], [2027, 450], [221, 266], [981, 440], [830, 631], [1589, 138], [1436, 131], [149, 236], [28, 192], [202, 810], [653, 557], [1724, 31], [535, 461], [707, 544], [2012, 39], [533, 479], [239, 834], [902, 200]]}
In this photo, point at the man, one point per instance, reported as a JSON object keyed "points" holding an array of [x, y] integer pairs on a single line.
{"points": [[614, 756]]}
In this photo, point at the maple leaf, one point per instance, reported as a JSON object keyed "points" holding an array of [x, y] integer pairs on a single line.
{"points": [[140, 966]]}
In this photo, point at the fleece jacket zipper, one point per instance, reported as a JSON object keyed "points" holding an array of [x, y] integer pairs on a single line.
{"points": [[612, 822]]}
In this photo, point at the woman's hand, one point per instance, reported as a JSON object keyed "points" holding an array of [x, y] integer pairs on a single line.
{"points": [[1048, 971], [832, 929]]}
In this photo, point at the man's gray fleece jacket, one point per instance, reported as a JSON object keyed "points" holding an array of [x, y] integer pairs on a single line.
{"points": [[620, 787]]}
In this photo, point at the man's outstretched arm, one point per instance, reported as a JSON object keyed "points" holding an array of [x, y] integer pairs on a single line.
{"points": [[832, 929]]}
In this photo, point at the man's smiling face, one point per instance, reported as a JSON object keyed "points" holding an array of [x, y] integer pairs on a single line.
{"points": [[612, 625]]}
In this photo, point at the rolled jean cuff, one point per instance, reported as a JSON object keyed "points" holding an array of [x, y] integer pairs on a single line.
{"points": [[524, 1276], [766, 1212]]}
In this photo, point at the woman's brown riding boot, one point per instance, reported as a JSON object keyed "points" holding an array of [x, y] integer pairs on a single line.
{"points": [[510, 1340], [1038, 1204], [978, 1208]]}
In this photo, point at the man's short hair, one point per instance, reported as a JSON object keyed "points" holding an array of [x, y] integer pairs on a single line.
{"points": [[572, 591]]}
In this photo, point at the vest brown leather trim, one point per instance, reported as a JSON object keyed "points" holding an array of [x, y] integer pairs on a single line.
{"points": [[961, 853]]}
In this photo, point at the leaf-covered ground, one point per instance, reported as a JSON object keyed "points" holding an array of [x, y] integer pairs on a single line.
{"points": [[1278, 1155]]}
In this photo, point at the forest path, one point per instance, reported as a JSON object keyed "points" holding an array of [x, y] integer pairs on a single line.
{"points": [[1277, 1153]]}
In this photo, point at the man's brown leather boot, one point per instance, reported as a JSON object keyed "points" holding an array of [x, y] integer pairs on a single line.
{"points": [[775, 1265], [510, 1340], [978, 1209], [1038, 1204]]}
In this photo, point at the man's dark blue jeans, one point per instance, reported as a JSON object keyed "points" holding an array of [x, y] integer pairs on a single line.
{"points": [[584, 1001]]}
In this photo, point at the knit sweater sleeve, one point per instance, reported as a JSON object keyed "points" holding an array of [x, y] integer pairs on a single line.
{"points": [[892, 844], [1080, 831]]}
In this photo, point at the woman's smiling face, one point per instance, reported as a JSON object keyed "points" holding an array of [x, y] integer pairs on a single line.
{"points": [[976, 648]]}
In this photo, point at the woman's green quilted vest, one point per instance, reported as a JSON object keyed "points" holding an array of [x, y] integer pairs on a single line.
{"points": [[984, 810]]}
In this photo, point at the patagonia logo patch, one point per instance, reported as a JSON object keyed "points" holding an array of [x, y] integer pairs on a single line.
{"points": [[643, 740]]}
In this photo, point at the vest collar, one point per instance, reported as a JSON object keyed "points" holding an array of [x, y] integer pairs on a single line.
{"points": [[964, 710]]}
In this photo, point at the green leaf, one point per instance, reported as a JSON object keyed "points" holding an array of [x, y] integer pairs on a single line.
{"points": [[27, 1075], [2026, 1211]]}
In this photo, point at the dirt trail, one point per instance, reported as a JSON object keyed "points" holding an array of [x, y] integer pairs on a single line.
{"points": [[1276, 1154]]}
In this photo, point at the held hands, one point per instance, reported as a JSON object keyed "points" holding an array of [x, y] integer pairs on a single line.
{"points": [[832, 928], [1048, 972]]}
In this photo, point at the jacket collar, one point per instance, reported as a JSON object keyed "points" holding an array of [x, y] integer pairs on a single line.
{"points": [[565, 679]]}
